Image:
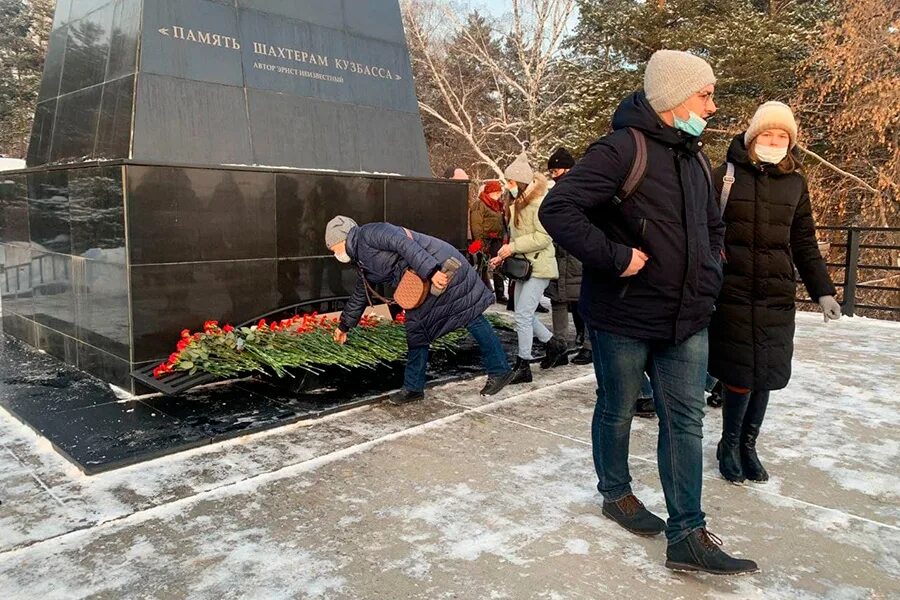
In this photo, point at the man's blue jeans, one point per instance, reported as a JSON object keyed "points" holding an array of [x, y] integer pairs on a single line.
{"points": [[677, 373], [493, 357]]}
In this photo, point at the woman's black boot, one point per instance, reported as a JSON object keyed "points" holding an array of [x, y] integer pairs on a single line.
{"points": [[753, 419], [521, 372], [729, 450]]}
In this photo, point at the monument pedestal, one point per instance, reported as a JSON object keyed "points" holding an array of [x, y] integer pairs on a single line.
{"points": [[136, 218], [103, 265]]}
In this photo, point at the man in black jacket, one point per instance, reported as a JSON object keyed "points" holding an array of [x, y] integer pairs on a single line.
{"points": [[652, 271]]}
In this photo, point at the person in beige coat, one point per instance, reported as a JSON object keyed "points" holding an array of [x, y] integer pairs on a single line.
{"points": [[529, 239]]}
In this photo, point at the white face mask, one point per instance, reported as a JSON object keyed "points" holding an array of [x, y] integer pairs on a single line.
{"points": [[770, 154], [342, 256]]}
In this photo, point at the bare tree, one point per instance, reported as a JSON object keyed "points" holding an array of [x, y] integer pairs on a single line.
{"points": [[497, 105]]}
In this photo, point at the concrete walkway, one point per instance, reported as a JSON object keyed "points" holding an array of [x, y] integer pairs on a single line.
{"points": [[461, 498]]}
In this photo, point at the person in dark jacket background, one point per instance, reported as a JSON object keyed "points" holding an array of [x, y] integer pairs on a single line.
{"points": [[651, 276], [383, 253], [564, 292], [770, 230]]}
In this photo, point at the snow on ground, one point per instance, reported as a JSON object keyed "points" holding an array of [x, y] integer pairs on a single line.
{"points": [[461, 498]]}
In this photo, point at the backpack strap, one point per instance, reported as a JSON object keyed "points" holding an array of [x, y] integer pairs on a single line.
{"points": [[704, 162], [727, 182], [638, 167]]}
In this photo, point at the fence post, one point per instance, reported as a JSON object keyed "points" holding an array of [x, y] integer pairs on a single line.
{"points": [[850, 271]]}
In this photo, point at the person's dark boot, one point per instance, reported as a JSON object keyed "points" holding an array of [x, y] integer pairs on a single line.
{"points": [[756, 412], [630, 514], [406, 397], [495, 383], [521, 372], [584, 357], [501, 299], [645, 408], [728, 452], [557, 353], [700, 551]]}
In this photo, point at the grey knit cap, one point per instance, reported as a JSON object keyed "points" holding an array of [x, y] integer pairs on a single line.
{"points": [[519, 170], [337, 229], [672, 77]]}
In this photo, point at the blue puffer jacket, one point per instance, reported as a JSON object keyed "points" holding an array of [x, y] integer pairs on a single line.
{"points": [[383, 253]]}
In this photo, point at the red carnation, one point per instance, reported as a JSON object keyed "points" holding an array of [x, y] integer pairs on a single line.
{"points": [[228, 329], [183, 344], [261, 324], [475, 247], [185, 333]]}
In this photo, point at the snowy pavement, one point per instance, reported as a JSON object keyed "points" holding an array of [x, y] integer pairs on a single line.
{"points": [[459, 497]]}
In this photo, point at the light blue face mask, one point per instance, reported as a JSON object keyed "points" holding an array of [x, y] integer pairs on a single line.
{"points": [[693, 126], [514, 192]]}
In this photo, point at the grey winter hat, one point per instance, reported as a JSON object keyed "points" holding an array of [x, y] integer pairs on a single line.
{"points": [[519, 170], [337, 229], [672, 77]]}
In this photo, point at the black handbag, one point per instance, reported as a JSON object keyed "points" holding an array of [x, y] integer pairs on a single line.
{"points": [[516, 267]]}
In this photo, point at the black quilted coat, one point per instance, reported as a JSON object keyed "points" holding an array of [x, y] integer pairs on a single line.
{"points": [[770, 229], [384, 252]]}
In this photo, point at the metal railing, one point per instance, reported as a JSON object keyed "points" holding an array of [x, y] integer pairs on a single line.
{"points": [[869, 259]]}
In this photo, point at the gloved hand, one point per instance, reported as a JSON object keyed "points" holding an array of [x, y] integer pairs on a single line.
{"points": [[830, 307]]}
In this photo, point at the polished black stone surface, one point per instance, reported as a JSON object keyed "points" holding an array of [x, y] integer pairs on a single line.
{"points": [[97, 214], [315, 85], [75, 130], [207, 124], [174, 41], [167, 298], [90, 426], [306, 202], [207, 214], [438, 208], [87, 49], [114, 126]]}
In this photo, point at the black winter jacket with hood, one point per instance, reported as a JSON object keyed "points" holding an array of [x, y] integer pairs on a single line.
{"points": [[672, 216], [770, 229]]}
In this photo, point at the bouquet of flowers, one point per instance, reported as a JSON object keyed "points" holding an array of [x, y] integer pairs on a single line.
{"points": [[301, 342]]}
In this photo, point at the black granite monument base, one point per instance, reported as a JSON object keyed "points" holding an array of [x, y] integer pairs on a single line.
{"points": [[86, 423], [103, 265]]}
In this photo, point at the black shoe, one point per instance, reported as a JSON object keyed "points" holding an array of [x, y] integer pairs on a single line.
{"points": [[700, 552], [714, 400], [521, 372], [584, 357], [405, 397], [557, 353], [645, 409], [495, 383], [629, 512], [502, 300]]}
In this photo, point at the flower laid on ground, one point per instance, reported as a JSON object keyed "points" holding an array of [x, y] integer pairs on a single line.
{"points": [[300, 342]]}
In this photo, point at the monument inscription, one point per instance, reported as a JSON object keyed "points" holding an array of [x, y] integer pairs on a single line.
{"points": [[253, 82]]}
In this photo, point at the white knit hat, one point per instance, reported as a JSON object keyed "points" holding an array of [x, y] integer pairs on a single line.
{"points": [[672, 77], [519, 170], [772, 115]]}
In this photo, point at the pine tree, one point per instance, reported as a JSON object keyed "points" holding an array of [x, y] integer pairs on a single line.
{"points": [[23, 44]]}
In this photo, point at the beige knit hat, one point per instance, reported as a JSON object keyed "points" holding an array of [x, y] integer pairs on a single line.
{"points": [[772, 115], [519, 170], [672, 77]]}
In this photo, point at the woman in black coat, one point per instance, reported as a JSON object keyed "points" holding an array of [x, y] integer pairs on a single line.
{"points": [[383, 253], [770, 230]]}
